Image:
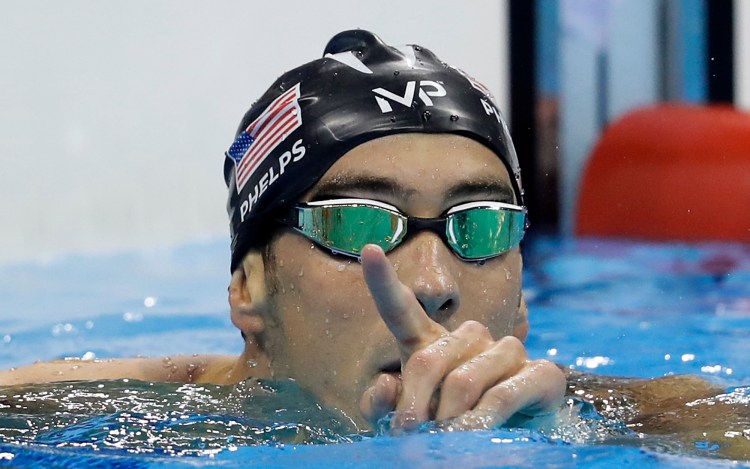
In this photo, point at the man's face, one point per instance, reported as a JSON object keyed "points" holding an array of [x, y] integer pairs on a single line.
{"points": [[324, 330]]}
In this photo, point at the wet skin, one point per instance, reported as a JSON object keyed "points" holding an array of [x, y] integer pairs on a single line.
{"points": [[418, 331], [388, 333]]}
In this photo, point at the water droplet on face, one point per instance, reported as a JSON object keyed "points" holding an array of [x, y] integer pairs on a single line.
{"points": [[454, 118], [252, 363], [507, 274], [396, 266], [340, 268], [301, 272], [281, 262]]}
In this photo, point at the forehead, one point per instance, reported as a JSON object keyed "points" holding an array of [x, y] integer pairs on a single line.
{"points": [[418, 166]]}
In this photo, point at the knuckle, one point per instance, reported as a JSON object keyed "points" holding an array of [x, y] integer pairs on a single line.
{"points": [[473, 332], [461, 380], [550, 372], [425, 362], [499, 396], [475, 328], [545, 366], [511, 344]]}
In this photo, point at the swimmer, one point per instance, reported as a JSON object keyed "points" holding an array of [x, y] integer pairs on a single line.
{"points": [[376, 212]]}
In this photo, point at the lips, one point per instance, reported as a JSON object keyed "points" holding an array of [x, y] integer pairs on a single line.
{"points": [[391, 367]]}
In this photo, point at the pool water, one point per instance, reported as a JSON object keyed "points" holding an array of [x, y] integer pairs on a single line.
{"points": [[606, 307]]}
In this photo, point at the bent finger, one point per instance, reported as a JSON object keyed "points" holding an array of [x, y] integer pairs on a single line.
{"points": [[464, 386], [380, 398], [426, 368], [537, 389]]}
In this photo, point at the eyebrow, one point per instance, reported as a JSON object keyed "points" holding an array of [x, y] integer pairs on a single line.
{"points": [[487, 187], [348, 185], [374, 186]]}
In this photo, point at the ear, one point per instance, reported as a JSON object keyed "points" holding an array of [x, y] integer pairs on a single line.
{"points": [[248, 296], [521, 324]]}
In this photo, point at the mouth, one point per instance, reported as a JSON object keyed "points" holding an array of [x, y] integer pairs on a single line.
{"points": [[391, 367]]}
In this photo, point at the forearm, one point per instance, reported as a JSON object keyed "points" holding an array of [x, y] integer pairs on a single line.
{"points": [[685, 408], [168, 369]]}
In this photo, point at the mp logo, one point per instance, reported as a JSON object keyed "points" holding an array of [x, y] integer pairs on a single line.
{"points": [[427, 90]]}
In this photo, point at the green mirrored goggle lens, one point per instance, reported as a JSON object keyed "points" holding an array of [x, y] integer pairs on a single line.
{"points": [[475, 231], [348, 228], [483, 232]]}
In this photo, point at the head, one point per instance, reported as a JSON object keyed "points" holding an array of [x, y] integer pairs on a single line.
{"points": [[368, 121]]}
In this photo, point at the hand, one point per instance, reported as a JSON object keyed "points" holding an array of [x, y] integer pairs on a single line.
{"points": [[464, 375]]}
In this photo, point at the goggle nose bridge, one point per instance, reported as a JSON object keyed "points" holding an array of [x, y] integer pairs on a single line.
{"points": [[436, 225]]}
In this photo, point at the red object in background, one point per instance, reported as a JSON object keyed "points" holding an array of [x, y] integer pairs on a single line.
{"points": [[670, 172]]}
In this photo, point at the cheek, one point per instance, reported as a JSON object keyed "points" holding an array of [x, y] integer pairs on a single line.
{"points": [[491, 294], [329, 292]]}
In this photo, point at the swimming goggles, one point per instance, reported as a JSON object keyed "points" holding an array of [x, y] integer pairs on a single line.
{"points": [[474, 231]]}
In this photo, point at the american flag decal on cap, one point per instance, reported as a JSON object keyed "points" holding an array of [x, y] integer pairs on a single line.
{"points": [[476, 84], [264, 134]]}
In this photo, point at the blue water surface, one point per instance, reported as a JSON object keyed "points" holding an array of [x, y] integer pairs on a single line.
{"points": [[609, 307]]}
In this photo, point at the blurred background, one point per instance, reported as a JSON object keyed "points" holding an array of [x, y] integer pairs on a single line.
{"points": [[114, 116]]}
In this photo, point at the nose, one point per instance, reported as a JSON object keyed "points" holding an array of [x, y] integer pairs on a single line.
{"points": [[426, 269]]}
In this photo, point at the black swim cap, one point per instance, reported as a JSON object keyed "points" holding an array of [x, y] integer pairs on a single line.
{"points": [[360, 90]]}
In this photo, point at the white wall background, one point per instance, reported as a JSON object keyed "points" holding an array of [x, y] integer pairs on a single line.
{"points": [[590, 28], [114, 116]]}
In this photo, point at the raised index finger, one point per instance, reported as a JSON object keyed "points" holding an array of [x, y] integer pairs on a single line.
{"points": [[397, 304]]}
